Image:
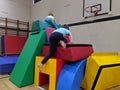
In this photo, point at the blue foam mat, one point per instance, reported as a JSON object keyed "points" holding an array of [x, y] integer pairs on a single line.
{"points": [[7, 63]]}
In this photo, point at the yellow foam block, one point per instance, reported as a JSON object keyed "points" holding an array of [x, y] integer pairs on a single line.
{"points": [[102, 71], [105, 53], [36, 76], [48, 68]]}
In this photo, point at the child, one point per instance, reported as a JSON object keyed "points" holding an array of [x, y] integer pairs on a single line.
{"points": [[57, 36], [51, 20]]}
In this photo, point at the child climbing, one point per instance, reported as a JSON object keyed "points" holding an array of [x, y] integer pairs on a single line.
{"points": [[57, 36], [51, 20]]}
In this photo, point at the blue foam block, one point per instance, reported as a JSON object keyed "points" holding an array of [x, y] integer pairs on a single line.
{"points": [[71, 75], [7, 64]]}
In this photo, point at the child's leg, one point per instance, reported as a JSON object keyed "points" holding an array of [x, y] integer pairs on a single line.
{"points": [[40, 66]]}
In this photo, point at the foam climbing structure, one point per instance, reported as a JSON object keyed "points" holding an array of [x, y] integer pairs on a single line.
{"points": [[51, 68], [75, 55], [23, 72], [39, 25], [11, 47], [12, 44], [73, 52], [102, 71], [71, 75]]}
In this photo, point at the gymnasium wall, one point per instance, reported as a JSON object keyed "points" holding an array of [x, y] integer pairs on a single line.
{"points": [[103, 35], [16, 9]]}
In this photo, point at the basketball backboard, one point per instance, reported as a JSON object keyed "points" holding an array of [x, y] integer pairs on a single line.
{"points": [[96, 7]]}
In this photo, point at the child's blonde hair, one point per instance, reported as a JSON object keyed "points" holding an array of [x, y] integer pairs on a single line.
{"points": [[51, 15]]}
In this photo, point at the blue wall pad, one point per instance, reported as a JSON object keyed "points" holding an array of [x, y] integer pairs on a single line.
{"points": [[2, 45], [71, 75], [7, 64]]}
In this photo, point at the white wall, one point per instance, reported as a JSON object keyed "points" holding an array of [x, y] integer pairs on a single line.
{"points": [[104, 36], [65, 11], [16, 9], [41, 9]]}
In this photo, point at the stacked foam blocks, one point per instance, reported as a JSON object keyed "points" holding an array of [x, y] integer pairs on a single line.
{"points": [[65, 70]]}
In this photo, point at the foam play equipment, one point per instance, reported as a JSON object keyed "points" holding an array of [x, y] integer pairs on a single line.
{"points": [[23, 72], [7, 64], [39, 25], [52, 68], [73, 52], [102, 71], [48, 32], [12, 44], [71, 75]]}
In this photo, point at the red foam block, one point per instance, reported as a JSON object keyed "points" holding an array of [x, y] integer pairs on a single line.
{"points": [[72, 52], [43, 78], [48, 32], [14, 44]]}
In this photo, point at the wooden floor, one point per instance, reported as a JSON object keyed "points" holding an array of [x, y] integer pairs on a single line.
{"points": [[5, 84]]}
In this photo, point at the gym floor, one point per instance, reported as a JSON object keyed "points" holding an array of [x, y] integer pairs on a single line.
{"points": [[5, 84]]}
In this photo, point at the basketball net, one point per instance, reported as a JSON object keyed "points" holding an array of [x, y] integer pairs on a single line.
{"points": [[95, 11]]}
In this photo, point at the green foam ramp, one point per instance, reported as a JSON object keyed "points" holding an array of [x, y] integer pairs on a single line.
{"points": [[23, 72]]}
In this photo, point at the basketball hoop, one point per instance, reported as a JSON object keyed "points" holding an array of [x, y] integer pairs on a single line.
{"points": [[92, 9]]}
